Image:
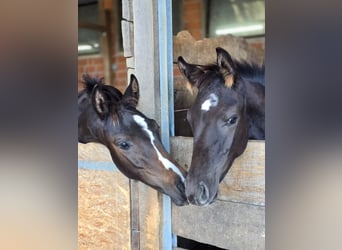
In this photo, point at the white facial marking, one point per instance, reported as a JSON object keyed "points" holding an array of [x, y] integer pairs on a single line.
{"points": [[166, 163], [211, 102]]}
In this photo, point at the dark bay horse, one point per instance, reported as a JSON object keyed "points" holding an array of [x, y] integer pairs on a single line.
{"points": [[228, 110], [108, 117]]}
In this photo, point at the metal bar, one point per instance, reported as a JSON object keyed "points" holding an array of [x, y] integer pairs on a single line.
{"points": [[170, 66], [166, 102], [97, 165]]}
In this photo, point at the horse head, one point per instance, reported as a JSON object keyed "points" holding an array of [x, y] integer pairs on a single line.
{"points": [[219, 123], [108, 117]]}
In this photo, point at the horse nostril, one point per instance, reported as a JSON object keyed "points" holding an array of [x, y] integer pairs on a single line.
{"points": [[203, 194], [180, 186]]}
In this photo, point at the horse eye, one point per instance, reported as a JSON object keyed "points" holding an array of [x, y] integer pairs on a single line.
{"points": [[231, 120], [124, 145]]}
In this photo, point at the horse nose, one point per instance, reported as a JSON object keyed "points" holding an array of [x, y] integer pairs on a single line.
{"points": [[202, 194]]}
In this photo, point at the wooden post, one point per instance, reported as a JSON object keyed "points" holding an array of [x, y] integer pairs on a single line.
{"points": [[140, 39]]}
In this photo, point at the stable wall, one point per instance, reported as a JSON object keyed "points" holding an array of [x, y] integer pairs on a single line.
{"points": [[103, 201], [236, 220]]}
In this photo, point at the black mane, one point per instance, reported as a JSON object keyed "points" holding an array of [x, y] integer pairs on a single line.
{"points": [[91, 82], [250, 71]]}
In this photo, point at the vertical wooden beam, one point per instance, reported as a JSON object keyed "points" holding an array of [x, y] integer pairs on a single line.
{"points": [[146, 68], [134, 215], [146, 56]]}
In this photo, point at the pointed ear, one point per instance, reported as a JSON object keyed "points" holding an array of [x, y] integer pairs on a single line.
{"points": [[225, 61], [131, 95], [226, 65], [101, 102], [190, 71]]}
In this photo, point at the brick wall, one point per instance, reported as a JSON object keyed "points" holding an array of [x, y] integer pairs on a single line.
{"points": [[192, 17], [94, 64], [119, 77], [192, 21]]}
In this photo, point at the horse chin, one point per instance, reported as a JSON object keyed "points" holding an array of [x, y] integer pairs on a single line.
{"points": [[180, 202], [179, 198], [214, 199]]}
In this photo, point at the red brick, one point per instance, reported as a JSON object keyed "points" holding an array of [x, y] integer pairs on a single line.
{"points": [[192, 17], [189, 6], [121, 59], [100, 67], [196, 34], [121, 66], [121, 75], [82, 62], [193, 26], [98, 60], [90, 69]]}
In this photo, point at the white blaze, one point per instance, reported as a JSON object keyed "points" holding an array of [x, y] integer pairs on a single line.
{"points": [[166, 163], [211, 102]]}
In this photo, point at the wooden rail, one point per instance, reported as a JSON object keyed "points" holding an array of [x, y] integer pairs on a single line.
{"points": [[237, 219]]}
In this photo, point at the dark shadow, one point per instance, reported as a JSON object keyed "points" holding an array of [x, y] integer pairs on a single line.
{"points": [[195, 245]]}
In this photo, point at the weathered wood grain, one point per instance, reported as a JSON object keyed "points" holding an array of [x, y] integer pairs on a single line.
{"points": [[93, 152], [245, 181], [103, 210], [203, 51], [223, 224], [236, 220]]}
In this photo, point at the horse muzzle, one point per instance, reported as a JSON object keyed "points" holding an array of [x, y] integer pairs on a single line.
{"points": [[200, 195]]}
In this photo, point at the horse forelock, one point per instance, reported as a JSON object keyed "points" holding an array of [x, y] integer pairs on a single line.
{"points": [[90, 82], [249, 71], [210, 72]]}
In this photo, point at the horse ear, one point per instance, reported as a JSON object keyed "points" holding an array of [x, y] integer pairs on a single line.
{"points": [[225, 61], [101, 102], [190, 71], [131, 95], [226, 65]]}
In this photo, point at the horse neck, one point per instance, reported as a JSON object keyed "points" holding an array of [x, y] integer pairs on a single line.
{"points": [[255, 101]]}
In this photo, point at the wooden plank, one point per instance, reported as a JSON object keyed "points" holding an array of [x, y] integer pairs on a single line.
{"points": [[134, 213], [223, 224], [236, 220], [127, 10], [146, 63], [203, 51], [92, 26], [245, 181], [103, 210], [146, 69], [104, 203], [149, 217], [127, 38], [145, 227]]}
